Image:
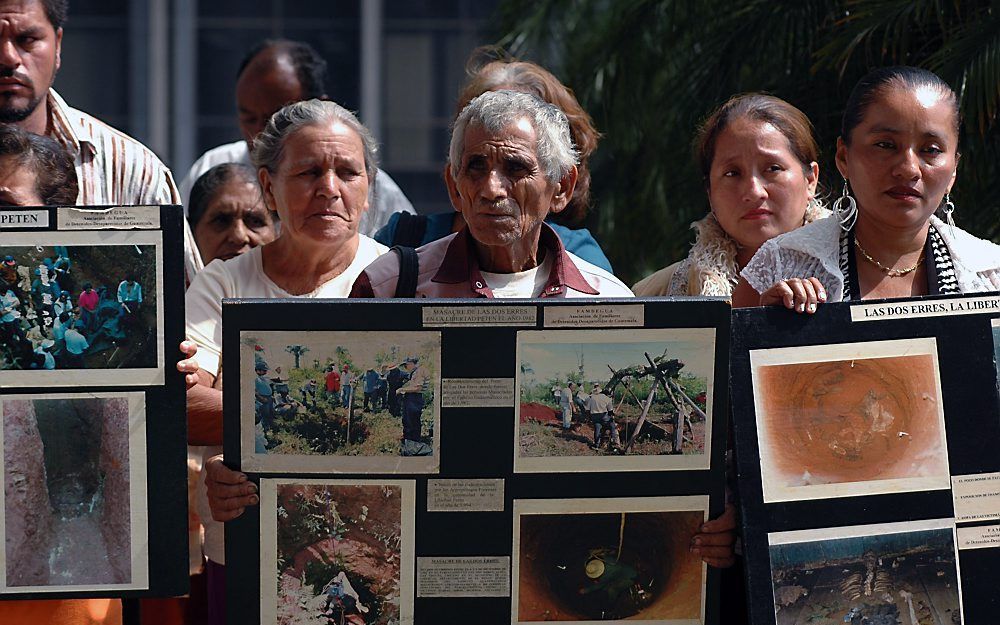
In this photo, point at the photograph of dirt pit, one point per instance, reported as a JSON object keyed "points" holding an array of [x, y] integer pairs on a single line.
{"points": [[614, 400], [68, 507], [895, 577], [599, 567], [867, 424], [341, 553]]}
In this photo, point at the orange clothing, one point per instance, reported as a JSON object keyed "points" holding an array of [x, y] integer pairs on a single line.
{"points": [[61, 612]]}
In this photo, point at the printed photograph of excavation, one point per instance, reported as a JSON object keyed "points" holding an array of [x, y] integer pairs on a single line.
{"points": [[336, 552], [340, 401], [894, 574], [614, 400], [74, 507], [85, 312], [850, 419], [581, 561]]}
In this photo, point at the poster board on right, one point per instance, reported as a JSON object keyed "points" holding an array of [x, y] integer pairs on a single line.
{"points": [[865, 442]]}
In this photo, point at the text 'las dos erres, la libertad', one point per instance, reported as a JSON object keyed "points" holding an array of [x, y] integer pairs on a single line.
{"points": [[928, 308]]}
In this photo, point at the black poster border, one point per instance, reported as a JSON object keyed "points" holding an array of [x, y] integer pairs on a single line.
{"points": [[448, 534], [966, 362], [166, 422]]}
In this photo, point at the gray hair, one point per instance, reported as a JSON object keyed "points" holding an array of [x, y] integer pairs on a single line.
{"points": [[269, 145], [496, 110]]}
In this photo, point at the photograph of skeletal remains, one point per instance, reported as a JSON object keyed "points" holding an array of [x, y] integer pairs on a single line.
{"points": [[850, 419], [74, 512], [336, 552], [81, 308], [891, 574], [340, 401], [614, 400], [595, 561]]}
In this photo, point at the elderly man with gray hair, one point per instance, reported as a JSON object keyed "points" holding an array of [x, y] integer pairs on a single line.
{"points": [[512, 162]]}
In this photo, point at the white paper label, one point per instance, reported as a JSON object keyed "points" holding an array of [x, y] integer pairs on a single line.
{"points": [[444, 316], [977, 497], [24, 219], [485, 576], [930, 308], [982, 537], [592, 315], [477, 393], [117, 218], [465, 495]]}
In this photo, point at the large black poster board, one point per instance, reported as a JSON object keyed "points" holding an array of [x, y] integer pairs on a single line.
{"points": [[508, 517], [866, 446], [94, 433]]}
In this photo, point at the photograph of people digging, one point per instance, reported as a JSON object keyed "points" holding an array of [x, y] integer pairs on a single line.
{"points": [[78, 307], [343, 394], [598, 399]]}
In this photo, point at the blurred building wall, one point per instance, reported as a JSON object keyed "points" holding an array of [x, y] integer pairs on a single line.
{"points": [[164, 71]]}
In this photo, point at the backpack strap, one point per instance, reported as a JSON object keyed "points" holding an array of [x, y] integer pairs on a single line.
{"points": [[410, 230], [409, 269]]}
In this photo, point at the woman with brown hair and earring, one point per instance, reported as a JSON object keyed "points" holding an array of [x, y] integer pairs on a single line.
{"points": [[898, 153], [757, 155]]}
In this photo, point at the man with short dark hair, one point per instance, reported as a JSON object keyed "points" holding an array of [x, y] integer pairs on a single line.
{"points": [[274, 73], [411, 404], [346, 390], [566, 405], [76, 347], [602, 415], [8, 275], [263, 394], [371, 379], [395, 377], [332, 384], [129, 296], [111, 167]]}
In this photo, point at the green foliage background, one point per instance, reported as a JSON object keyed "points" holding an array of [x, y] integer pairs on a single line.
{"points": [[541, 392], [649, 71]]}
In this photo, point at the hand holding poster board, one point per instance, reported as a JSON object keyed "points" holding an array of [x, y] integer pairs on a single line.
{"points": [[560, 456], [94, 439], [865, 441]]}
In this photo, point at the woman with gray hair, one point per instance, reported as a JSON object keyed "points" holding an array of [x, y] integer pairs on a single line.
{"points": [[315, 163]]}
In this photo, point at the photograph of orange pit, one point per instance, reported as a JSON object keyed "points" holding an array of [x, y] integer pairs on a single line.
{"points": [[578, 561], [850, 419]]}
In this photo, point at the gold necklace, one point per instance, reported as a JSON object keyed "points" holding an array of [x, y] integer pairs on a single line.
{"points": [[889, 271]]}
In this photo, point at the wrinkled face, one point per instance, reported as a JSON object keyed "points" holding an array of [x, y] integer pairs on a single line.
{"points": [[501, 188], [261, 93], [757, 188], [18, 184], [29, 58], [234, 221], [903, 156], [320, 189]]}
